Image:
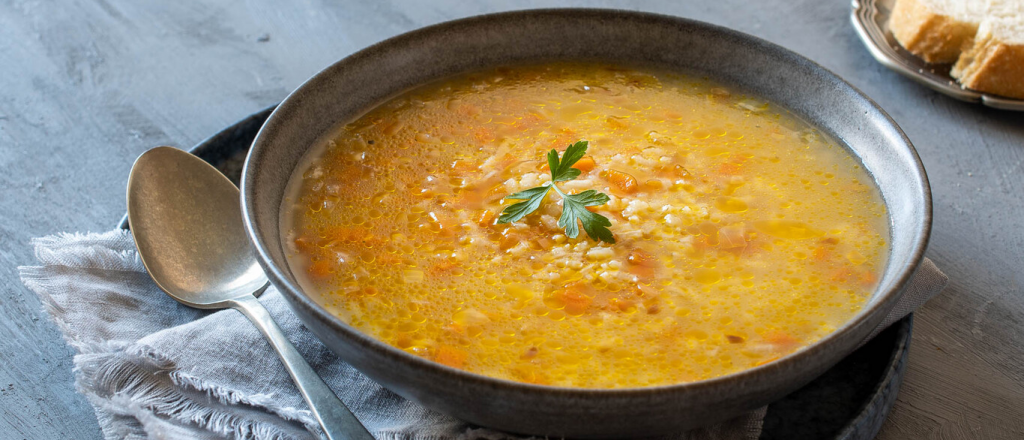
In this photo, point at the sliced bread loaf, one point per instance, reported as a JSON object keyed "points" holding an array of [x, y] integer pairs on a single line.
{"points": [[936, 30], [994, 63]]}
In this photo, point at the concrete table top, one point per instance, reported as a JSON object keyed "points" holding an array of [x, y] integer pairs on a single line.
{"points": [[88, 85]]}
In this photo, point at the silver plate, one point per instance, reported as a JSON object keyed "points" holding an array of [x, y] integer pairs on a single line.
{"points": [[871, 19]]}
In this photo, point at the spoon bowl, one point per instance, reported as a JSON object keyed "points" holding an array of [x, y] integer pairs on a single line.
{"points": [[186, 220], [187, 227]]}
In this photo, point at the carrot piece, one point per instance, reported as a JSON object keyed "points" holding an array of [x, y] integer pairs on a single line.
{"points": [[304, 244], [622, 181], [469, 110], [575, 301], [842, 274], [462, 166], [529, 121], [485, 219], [681, 171], [641, 263], [619, 305], [509, 238], [821, 253], [451, 356], [868, 278], [730, 168], [771, 359], [320, 269], [483, 135], [586, 163], [781, 339]]}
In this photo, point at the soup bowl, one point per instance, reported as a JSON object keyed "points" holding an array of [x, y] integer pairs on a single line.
{"points": [[350, 87]]}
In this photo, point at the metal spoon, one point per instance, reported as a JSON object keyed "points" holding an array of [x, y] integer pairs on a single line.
{"points": [[187, 224]]}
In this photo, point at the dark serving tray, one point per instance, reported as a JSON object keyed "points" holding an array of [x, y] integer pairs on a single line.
{"points": [[848, 402]]}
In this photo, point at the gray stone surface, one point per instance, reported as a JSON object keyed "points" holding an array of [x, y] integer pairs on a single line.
{"points": [[87, 85]]}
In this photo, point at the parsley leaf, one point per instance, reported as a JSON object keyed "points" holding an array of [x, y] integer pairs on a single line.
{"points": [[574, 206], [517, 211], [561, 172]]}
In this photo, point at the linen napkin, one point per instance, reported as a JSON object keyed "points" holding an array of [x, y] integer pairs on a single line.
{"points": [[153, 368]]}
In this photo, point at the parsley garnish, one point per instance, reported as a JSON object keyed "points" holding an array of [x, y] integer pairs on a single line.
{"points": [[574, 206]]}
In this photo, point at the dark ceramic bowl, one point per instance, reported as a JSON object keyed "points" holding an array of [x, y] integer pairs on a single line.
{"points": [[357, 83]]}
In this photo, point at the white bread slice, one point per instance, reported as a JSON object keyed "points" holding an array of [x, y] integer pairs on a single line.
{"points": [[995, 61], [936, 30]]}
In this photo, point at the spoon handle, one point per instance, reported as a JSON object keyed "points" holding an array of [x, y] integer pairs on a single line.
{"points": [[334, 417]]}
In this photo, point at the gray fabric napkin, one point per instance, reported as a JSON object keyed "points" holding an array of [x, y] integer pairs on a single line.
{"points": [[152, 368]]}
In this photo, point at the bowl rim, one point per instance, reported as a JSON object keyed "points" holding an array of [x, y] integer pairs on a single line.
{"points": [[298, 298]]}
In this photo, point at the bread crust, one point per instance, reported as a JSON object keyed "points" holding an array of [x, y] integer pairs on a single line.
{"points": [[992, 66], [934, 37]]}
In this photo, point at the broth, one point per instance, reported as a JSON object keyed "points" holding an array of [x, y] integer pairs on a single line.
{"points": [[742, 234]]}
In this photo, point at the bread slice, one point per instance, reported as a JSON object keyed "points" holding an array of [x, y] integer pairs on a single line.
{"points": [[936, 30], [995, 61]]}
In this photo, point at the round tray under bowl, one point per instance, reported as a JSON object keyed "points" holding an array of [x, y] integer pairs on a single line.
{"points": [[848, 402]]}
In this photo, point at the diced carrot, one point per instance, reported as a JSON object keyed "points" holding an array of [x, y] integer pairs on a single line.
{"points": [[586, 163], [641, 263], [508, 239], [622, 181], [483, 135], [528, 121], [821, 253], [620, 305], [495, 193], [463, 167], [868, 278], [730, 168], [485, 219], [304, 244], [564, 138], [469, 110], [576, 302], [680, 171], [506, 161], [468, 199], [451, 356], [842, 274], [320, 269], [781, 339]]}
